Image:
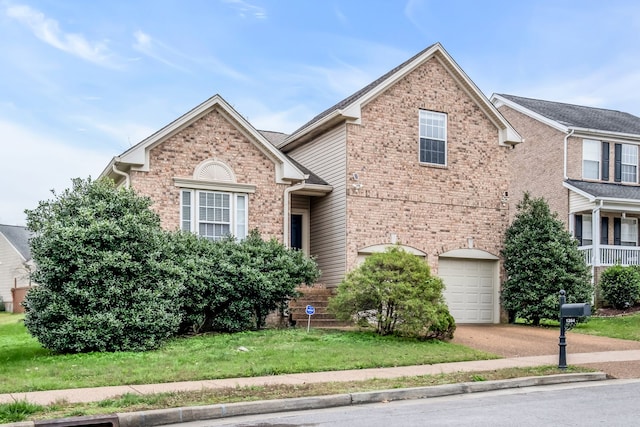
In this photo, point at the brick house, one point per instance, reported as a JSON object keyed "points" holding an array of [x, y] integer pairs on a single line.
{"points": [[584, 162], [416, 158]]}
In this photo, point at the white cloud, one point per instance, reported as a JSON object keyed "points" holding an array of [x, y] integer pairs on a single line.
{"points": [[33, 164], [246, 9], [146, 45], [48, 31]]}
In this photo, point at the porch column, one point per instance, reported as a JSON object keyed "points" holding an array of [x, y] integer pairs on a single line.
{"points": [[595, 232]]}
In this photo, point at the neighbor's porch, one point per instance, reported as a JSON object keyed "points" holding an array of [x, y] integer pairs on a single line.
{"points": [[607, 238]]}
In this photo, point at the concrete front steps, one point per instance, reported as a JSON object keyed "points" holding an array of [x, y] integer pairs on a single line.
{"points": [[318, 297]]}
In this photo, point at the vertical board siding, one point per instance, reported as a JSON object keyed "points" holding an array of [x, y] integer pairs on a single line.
{"points": [[326, 157]]}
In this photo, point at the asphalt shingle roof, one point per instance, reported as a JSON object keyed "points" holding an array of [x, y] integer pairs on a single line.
{"points": [[607, 190], [578, 116], [19, 237]]}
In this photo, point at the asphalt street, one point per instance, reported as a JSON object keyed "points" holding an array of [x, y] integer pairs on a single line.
{"points": [[610, 403]]}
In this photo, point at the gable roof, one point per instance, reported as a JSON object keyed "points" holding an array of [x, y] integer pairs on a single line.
{"points": [[569, 116], [350, 107], [18, 237], [137, 157]]}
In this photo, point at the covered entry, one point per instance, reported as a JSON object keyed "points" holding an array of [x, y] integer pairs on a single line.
{"points": [[471, 280]]}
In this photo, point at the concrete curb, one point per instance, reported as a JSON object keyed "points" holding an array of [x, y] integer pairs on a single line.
{"points": [[160, 417]]}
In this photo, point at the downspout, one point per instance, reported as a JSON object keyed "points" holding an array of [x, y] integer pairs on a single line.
{"points": [[287, 211], [566, 144], [119, 172]]}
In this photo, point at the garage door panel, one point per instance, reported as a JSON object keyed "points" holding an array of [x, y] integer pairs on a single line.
{"points": [[469, 288]]}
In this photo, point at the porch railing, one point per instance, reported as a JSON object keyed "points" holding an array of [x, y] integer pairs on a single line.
{"points": [[612, 255]]}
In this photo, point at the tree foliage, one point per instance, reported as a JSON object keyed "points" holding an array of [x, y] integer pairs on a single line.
{"points": [[620, 286], [233, 285], [395, 291], [540, 259], [103, 282]]}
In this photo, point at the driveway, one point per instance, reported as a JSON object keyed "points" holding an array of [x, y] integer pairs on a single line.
{"points": [[519, 340]]}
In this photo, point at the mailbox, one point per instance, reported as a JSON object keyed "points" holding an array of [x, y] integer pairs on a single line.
{"points": [[575, 310]]}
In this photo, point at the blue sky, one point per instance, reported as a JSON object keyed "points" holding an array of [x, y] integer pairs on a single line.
{"points": [[82, 81]]}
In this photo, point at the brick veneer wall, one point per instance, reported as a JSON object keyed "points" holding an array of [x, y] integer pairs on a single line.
{"points": [[537, 165], [434, 209], [212, 137]]}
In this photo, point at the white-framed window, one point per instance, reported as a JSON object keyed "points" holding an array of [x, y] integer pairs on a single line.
{"points": [[629, 232], [591, 159], [214, 214], [433, 137], [629, 163], [587, 230]]}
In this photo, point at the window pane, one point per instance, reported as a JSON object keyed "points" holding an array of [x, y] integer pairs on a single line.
{"points": [[186, 211], [587, 230], [433, 137], [591, 159]]}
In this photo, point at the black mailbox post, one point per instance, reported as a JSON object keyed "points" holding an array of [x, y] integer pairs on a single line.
{"points": [[568, 311]]}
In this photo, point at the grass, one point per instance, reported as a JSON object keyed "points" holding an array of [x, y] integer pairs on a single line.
{"points": [[131, 402], [623, 327], [25, 366]]}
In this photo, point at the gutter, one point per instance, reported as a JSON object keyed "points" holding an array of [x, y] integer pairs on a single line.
{"points": [[119, 172], [566, 142]]}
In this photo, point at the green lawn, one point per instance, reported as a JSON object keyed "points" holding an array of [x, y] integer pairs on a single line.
{"points": [[26, 366], [624, 327]]}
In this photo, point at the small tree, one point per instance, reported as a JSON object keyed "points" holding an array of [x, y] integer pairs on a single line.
{"points": [[395, 291], [103, 282], [620, 286], [540, 259]]}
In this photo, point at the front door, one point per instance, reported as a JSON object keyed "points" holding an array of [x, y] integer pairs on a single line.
{"points": [[296, 231]]}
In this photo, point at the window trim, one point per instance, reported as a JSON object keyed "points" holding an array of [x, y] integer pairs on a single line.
{"points": [[193, 220], [630, 223], [598, 158], [423, 113], [623, 164]]}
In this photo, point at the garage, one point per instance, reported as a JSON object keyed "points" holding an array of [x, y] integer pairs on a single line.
{"points": [[471, 288]]}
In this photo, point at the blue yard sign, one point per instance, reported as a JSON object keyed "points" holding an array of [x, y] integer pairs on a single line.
{"points": [[309, 310]]}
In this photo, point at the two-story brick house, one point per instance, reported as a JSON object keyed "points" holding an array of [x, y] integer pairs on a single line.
{"points": [[416, 158], [584, 162]]}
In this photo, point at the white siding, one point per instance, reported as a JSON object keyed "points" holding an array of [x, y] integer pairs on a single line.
{"points": [[326, 157], [299, 202], [11, 268], [578, 203]]}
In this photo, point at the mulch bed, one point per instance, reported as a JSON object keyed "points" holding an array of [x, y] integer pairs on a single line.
{"points": [[614, 312]]}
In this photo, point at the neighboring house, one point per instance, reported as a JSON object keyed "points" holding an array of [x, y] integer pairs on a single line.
{"points": [[15, 262], [584, 161], [416, 158]]}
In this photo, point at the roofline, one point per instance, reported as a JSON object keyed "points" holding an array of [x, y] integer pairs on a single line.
{"points": [[499, 101], [138, 156], [352, 111]]}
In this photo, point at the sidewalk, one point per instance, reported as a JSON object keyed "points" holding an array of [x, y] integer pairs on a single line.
{"points": [[101, 393]]}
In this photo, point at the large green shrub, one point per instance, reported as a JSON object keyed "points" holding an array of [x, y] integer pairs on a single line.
{"points": [[233, 285], [104, 284], [620, 286], [395, 291], [540, 259]]}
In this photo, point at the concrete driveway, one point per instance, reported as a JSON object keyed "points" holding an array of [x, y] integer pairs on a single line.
{"points": [[519, 341]]}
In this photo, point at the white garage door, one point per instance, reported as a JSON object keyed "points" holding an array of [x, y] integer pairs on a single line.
{"points": [[470, 288]]}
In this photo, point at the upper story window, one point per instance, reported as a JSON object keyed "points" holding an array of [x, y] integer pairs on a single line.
{"points": [[433, 137], [590, 159], [629, 163]]}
